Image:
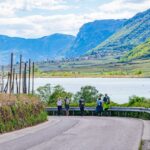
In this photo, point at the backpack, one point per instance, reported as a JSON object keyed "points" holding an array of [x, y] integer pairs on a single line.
{"points": [[106, 100]]}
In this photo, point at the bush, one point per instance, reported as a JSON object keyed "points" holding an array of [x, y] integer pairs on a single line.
{"points": [[89, 93], [136, 101], [50, 95], [59, 92], [44, 92], [21, 113]]}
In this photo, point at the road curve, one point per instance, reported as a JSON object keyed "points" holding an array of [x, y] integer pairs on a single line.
{"points": [[77, 133]]}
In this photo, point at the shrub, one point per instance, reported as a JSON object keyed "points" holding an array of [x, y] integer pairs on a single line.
{"points": [[136, 101], [59, 92], [50, 95], [24, 111], [44, 92], [89, 93]]}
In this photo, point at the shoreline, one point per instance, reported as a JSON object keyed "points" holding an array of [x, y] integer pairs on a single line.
{"points": [[121, 77]]}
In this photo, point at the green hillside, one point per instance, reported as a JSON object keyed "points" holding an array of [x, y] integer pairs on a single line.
{"points": [[134, 32], [141, 51], [93, 33]]}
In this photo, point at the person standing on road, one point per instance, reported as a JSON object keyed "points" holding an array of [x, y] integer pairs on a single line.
{"points": [[99, 107], [106, 101], [67, 102], [81, 105], [59, 106]]}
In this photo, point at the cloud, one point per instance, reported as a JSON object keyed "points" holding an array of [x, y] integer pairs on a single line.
{"points": [[36, 24], [47, 4], [10, 8], [128, 7]]}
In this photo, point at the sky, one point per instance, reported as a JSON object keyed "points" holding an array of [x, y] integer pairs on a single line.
{"points": [[37, 18]]}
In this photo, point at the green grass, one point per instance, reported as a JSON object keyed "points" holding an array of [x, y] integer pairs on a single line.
{"points": [[141, 144], [141, 51], [17, 112], [95, 68]]}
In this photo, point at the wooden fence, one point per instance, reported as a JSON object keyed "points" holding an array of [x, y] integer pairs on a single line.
{"points": [[19, 77]]}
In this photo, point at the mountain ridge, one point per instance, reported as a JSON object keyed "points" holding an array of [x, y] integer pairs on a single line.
{"points": [[135, 31], [93, 33], [40, 48]]}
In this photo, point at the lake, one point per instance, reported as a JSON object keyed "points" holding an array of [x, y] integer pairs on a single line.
{"points": [[119, 89]]}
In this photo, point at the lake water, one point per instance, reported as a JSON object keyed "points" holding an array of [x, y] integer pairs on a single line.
{"points": [[119, 89]]}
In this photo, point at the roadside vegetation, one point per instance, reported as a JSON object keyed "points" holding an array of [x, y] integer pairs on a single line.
{"points": [[19, 111], [49, 96]]}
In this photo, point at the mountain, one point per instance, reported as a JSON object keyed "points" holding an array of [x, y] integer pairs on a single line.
{"points": [[140, 52], [93, 33], [53, 46], [134, 32]]}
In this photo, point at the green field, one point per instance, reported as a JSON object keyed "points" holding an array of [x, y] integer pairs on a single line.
{"points": [[94, 68]]}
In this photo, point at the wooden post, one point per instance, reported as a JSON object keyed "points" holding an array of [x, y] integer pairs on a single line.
{"points": [[11, 72], [2, 79], [13, 81], [17, 89], [29, 76], [33, 77], [7, 83], [20, 72], [25, 79]]}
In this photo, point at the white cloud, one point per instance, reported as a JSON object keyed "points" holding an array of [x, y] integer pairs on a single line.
{"points": [[49, 4], [10, 7], [36, 26], [32, 25], [124, 8]]}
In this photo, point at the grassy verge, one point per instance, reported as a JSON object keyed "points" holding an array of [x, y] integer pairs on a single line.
{"points": [[17, 112]]}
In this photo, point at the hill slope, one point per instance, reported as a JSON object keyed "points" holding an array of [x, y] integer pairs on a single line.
{"points": [[141, 51], [134, 32], [93, 33], [51, 46]]}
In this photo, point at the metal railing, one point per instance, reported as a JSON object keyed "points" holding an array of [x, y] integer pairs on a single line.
{"points": [[53, 110]]}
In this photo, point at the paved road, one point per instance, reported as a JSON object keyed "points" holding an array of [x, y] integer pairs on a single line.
{"points": [[77, 133]]}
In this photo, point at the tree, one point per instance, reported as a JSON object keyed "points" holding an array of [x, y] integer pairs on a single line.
{"points": [[89, 93], [50, 95], [44, 92], [59, 92]]}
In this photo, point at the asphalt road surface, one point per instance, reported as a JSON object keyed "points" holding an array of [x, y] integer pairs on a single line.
{"points": [[77, 133]]}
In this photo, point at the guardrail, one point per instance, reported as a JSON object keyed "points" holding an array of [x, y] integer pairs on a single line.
{"points": [[135, 112]]}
